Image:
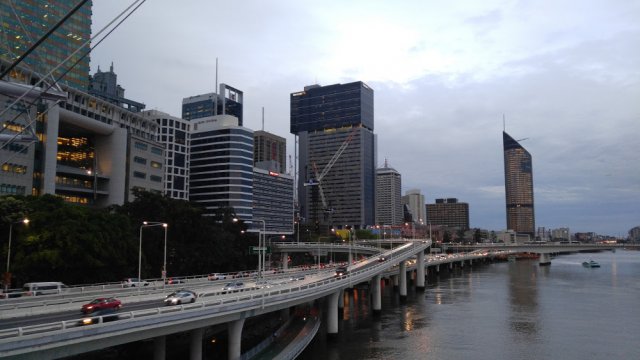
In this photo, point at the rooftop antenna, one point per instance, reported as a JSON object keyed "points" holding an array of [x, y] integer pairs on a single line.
{"points": [[504, 126], [263, 118], [215, 91], [386, 163]]}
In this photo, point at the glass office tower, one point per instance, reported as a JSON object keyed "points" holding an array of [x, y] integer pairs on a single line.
{"points": [[324, 118], [518, 184], [37, 18]]}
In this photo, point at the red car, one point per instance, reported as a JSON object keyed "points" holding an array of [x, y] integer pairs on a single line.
{"points": [[101, 304]]}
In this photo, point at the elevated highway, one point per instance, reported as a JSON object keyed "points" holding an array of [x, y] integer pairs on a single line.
{"points": [[66, 338]]}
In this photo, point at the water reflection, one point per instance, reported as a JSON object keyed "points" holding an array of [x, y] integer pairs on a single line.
{"points": [[523, 298]]}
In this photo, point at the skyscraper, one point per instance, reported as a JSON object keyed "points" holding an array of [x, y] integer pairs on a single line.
{"points": [[325, 118], [36, 18], [448, 212], [518, 184], [270, 147], [222, 165], [416, 204], [389, 196], [228, 101]]}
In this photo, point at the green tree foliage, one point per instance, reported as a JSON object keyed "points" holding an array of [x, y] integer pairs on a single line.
{"points": [[76, 244]]}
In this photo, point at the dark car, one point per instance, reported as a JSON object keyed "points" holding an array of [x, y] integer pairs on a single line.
{"points": [[101, 304], [341, 271], [100, 316]]}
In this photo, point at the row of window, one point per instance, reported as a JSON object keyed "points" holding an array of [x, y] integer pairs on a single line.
{"points": [[141, 175], [14, 168], [142, 146], [12, 189], [143, 161]]}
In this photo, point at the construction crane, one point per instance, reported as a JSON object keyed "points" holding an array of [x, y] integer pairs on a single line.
{"points": [[317, 181]]}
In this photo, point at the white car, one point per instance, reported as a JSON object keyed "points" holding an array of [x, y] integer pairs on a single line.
{"points": [[134, 282], [180, 297], [216, 276], [236, 285]]}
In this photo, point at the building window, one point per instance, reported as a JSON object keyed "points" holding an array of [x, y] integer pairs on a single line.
{"points": [[141, 146], [140, 160], [156, 150], [156, 165], [139, 175], [155, 178]]}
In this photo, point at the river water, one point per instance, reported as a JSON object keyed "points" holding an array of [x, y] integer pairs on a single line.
{"points": [[502, 310]]}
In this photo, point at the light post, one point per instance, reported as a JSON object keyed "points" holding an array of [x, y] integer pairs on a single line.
{"points": [[164, 266], [7, 275], [261, 250]]}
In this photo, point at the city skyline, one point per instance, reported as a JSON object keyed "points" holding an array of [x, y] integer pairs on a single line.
{"points": [[562, 74]]}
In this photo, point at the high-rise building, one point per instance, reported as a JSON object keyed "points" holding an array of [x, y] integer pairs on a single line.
{"points": [[272, 199], [25, 22], [389, 196], [448, 212], [104, 84], [228, 101], [222, 165], [270, 147], [330, 120], [79, 147], [415, 202], [518, 184], [175, 135]]}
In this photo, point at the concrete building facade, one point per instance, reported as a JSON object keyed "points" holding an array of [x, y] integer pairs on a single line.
{"points": [[270, 147], [389, 209], [415, 202], [448, 212]]}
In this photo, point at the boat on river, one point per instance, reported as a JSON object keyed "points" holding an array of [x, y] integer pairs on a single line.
{"points": [[590, 264]]}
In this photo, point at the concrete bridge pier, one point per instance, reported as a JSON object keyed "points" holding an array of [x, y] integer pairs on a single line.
{"points": [[403, 280], [461, 264], [332, 313], [545, 259], [234, 331], [420, 273], [195, 349], [438, 269], [341, 299], [450, 266], [394, 280], [285, 260], [159, 348], [376, 294]]}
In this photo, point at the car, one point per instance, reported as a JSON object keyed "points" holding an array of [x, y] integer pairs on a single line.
{"points": [[101, 304], [216, 276], [180, 297], [382, 258], [296, 277], [174, 281], [234, 285], [341, 271], [100, 316], [134, 282]]}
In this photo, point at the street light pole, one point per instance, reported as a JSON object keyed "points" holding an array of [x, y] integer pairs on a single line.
{"points": [[164, 265], [261, 251], [8, 277]]}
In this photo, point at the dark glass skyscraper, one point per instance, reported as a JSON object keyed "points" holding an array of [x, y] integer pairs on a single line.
{"points": [[323, 118], [35, 19], [518, 184]]}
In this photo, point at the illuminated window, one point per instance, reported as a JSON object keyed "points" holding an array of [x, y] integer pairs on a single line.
{"points": [[156, 165]]}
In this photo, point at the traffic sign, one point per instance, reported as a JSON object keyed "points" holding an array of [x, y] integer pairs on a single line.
{"points": [[258, 249]]}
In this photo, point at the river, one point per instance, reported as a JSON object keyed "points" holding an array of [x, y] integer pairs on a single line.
{"points": [[501, 310]]}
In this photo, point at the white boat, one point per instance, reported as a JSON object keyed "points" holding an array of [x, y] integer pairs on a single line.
{"points": [[590, 264]]}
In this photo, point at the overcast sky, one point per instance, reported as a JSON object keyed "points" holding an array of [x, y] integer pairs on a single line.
{"points": [[565, 74]]}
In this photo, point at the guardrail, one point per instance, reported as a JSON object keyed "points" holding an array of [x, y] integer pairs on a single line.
{"points": [[251, 299]]}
